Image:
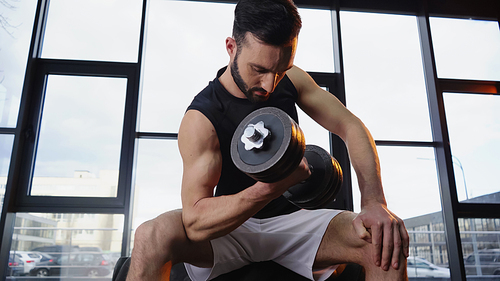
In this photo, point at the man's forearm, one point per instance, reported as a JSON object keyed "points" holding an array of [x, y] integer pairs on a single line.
{"points": [[213, 217], [364, 158]]}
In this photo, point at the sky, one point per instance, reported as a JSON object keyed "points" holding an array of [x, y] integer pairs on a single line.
{"points": [[184, 49]]}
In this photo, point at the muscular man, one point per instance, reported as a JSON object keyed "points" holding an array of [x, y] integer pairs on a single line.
{"points": [[246, 221]]}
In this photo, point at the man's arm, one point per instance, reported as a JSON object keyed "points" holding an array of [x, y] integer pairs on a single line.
{"points": [[206, 217], [375, 223]]}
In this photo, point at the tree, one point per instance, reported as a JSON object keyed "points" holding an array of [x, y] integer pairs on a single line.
{"points": [[4, 20]]}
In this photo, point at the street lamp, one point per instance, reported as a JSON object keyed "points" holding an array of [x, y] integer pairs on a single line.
{"points": [[456, 161], [463, 174]]}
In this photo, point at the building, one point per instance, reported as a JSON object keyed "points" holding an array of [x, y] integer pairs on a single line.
{"points": [[34, 230], [428, 239]]}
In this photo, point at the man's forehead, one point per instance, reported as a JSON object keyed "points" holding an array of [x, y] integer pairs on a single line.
{"points": [[281, 68], [251, 39], [270, 57]]}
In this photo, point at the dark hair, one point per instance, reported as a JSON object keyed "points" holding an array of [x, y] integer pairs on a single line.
{"points": [[274, 22]]}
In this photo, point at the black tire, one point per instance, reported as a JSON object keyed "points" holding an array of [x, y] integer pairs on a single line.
{"points": [[42, 272], [93, 272]]}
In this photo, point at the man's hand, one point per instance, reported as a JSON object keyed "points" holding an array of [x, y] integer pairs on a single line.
{"points": [[385, 231], [301, 173]]}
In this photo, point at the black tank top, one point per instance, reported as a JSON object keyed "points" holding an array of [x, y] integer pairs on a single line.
{"points": [[226, 111]]}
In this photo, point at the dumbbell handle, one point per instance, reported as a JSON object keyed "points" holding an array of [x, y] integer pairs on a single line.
{"points": [[254, 136]]}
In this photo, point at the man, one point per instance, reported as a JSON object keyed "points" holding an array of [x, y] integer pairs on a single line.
{"points": [[248, 221]]}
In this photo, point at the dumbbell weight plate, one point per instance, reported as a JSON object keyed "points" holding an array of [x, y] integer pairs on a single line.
{"points": [[334, 188], [282, 151], [323, 184], [330, 190]]}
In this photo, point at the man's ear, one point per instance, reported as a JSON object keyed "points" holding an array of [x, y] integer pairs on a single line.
{"points": [[231, 47]]}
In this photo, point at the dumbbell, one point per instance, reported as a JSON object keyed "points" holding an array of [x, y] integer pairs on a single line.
{"points": [[268, 145]]}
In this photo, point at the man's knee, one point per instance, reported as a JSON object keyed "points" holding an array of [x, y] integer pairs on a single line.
{"points": [[160, 235], [342, 229], [341, 243]]}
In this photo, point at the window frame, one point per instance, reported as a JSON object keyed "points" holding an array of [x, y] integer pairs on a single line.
{"points": [[30, 131]]}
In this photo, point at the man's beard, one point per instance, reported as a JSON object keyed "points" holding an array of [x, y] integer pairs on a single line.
{"points": [[243, 86]]}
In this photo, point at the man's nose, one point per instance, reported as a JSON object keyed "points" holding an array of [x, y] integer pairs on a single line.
{"points": [[269, 82]]}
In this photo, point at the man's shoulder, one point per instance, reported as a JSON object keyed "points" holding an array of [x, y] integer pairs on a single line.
{"points": [[298, 77], [206, 98]]}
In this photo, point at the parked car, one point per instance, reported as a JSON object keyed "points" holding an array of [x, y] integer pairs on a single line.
{"points": [[29, 259], [52, 249], [74, 264], [45, 266], [16, 266], [489, 261], [90, 249], [112, 257], [419, 267]]}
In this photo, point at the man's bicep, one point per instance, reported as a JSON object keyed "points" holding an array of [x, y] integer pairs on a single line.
{"points": [[320, 105], [200, 152]]}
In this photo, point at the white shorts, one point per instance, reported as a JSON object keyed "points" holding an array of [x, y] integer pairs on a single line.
{"points": [[290, 240]]}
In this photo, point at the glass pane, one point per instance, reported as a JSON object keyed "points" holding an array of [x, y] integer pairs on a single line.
{"points": [[384, 76], [167, 89], [16, 23], [80, 137], [410, 181], [474, 130], [6, 142], [112, 34], [157, 160], [466, 49], [313, 132], [315, 47], [411, 189], [481, 246], [65, 245]]}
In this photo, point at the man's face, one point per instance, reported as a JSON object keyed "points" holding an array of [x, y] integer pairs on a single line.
{"points": [[257, 67]]}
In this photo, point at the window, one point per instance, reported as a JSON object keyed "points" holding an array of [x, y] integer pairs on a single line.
{"points": [[385, 88], [80, 137], [16, 23], [181, 57], [480, 242], [408, 172], [64, 254], [158, 179], [384, 79], [6, 142], [314, 50], [474, 130], [466, 49], [111, 35]]}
